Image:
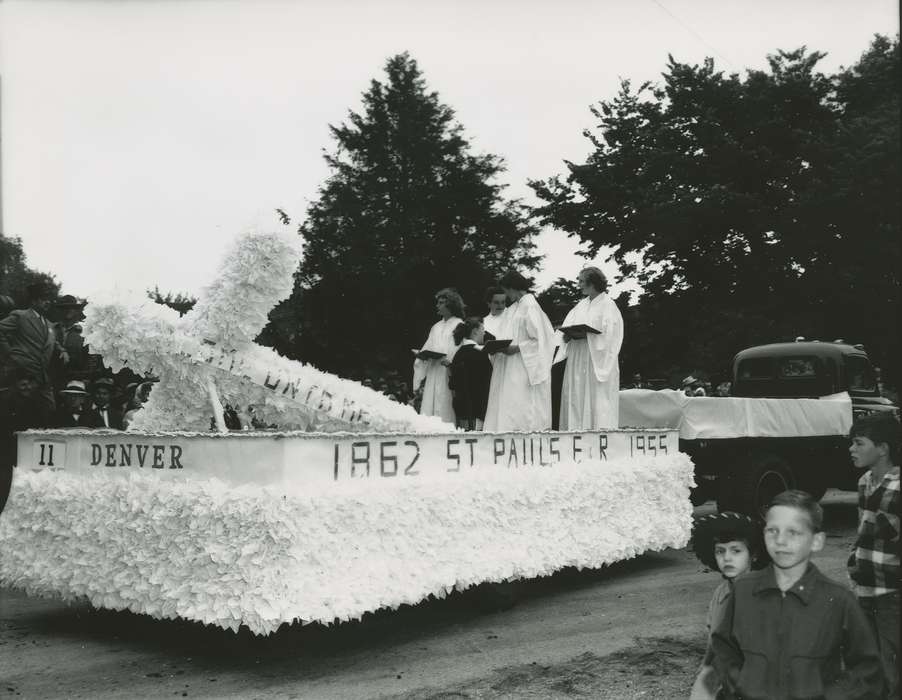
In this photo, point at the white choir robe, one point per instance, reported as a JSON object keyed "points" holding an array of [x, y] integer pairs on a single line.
{"points": [[436, 392], [520, 392], [591, 390], [492, 324]]}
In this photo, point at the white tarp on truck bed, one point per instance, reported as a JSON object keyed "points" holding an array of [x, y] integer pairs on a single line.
{"points": [[711, 418]]}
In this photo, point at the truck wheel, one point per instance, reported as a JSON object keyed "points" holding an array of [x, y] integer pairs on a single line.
{"points": [[753, 483], [816, 487]]}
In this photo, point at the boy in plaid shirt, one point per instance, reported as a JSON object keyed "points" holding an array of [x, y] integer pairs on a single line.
{"points": [[874, 564]]}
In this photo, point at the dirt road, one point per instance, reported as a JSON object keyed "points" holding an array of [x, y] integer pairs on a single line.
{"points": [[634, 630]]}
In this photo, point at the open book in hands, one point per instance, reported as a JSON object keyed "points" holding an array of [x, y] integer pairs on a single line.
{"points": [[579, 331], [427, 354], [493, 346]]}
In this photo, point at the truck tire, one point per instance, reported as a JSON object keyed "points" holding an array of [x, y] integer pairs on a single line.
{"points": [[753, 483], [816, 486]]}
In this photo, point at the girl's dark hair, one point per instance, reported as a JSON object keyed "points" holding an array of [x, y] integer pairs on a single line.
{"points": [[596, 278], [453, 300], [514, 280], [758, 556], [463, 330]]}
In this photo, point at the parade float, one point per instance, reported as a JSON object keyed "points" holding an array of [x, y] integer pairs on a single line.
{"points": [[356, 504]]}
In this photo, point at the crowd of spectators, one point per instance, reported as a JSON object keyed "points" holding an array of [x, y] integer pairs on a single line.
{"points": [[48, 376]]}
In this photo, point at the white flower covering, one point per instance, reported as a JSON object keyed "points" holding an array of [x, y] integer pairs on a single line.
{"points": [[255, 275], [210, 552]]}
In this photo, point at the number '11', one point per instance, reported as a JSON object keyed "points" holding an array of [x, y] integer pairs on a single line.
{"points": [[48, 457]]}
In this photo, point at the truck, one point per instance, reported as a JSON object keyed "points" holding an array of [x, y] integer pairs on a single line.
{"points": [[785, 424]]}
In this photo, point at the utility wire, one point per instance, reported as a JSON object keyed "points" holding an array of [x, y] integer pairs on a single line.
{"points": [[694, 33]]}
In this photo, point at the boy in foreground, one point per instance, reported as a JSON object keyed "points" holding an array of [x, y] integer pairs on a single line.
{"points": [[789, 631], [874, 564]]}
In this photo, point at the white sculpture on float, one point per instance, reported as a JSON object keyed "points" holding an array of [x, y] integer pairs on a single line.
{"points": [[209, 356]]}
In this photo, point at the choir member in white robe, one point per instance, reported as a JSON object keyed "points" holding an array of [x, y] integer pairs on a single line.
{"points": [[434, 373], [591, 389], [496, 300], [520, 391]]}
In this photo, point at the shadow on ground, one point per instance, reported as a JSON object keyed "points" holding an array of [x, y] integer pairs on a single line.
{"points": [[662, 668]]}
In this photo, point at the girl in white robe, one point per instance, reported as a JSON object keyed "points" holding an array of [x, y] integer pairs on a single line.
{"points": [[436, 392], [520, 391], [496, 300], [591, 389]]}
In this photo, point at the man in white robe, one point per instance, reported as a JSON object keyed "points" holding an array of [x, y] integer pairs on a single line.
{"points": [[591, 387], [437, 399], [520, 391]]}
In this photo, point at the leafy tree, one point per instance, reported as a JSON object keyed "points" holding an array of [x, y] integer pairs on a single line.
{"points": [[749, 209], [180, 302], [15, 275], [558, 298], [408, 208]]}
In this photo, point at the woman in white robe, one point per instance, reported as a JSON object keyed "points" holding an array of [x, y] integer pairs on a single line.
{"points": [[520, 391], [433, 373], [591, 390]]}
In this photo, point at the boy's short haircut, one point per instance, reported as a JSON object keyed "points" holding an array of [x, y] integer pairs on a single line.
{"points": [[492, 291], [879, 428], [803, 501]]}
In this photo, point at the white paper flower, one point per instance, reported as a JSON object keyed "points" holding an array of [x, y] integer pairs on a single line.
{"points": [[230, 556]]}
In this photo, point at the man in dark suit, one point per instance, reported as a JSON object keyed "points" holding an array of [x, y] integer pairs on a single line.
{"points": [[69, 336], [28, 341], [72, 409], [107, 416]]}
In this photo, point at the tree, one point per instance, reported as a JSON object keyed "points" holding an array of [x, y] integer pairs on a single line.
{"points": [[750, 205], [408, 208], [558, 298], [15, 275], [182, 303]]}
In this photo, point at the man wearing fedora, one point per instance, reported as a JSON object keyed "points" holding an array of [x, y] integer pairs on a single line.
{"points": [[72, 411], [28, 340], [69, 311]]}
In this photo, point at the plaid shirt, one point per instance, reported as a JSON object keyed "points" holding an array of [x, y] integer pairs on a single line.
{"points": [[874, 564]]}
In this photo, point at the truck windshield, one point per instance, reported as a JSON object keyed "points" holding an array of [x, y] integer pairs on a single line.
{"points": [[777, 377], [860, 375]]}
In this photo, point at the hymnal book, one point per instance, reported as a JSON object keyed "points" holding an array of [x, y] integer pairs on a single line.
{"points": [[493, 346], [579, 330], [428, 354]]}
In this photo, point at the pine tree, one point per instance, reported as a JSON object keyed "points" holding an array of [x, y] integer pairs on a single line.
{"points": [[408, 209]]}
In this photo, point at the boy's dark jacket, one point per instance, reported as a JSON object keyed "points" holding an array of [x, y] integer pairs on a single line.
{"points": [[771, 646]]}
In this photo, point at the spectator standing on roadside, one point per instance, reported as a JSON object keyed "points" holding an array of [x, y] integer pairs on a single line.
{"points": [[69, 336], [71, 409], [496, 300], [693, 387], [789, 631], [21, 408], [102, 393], [520, 391], [732, 544], [874, 564], [590, 393], [28, 341]]}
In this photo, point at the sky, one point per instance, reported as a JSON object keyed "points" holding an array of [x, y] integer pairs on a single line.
{"points": [[138, 138]]}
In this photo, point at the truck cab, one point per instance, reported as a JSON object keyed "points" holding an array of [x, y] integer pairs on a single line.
{"points": [[809, 369]]}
